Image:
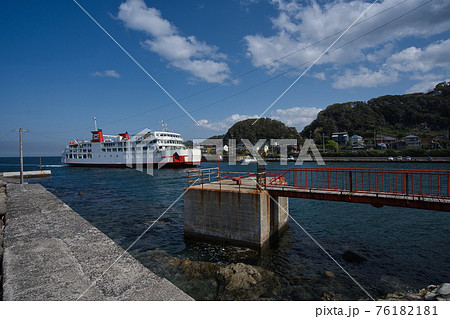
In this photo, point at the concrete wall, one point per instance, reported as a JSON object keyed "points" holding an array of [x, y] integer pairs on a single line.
{"points": [[242, 218]]}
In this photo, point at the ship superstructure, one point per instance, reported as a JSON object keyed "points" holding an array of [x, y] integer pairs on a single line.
{"points": [[145, 148]]}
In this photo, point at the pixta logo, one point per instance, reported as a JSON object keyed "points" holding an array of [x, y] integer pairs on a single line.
{"points": [[218, 147]]}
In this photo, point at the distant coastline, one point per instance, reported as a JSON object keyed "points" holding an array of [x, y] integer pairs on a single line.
{"points": [[352, 159]]}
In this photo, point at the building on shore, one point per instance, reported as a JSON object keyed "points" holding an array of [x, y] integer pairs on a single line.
{"points": [[340, 137], [412, 141]]}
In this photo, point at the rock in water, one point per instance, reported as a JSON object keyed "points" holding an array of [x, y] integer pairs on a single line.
{"points": [[329, 274], [329, 296], [444, 289], [430, 296], [238, 276], [353, 258], [81, 193]]}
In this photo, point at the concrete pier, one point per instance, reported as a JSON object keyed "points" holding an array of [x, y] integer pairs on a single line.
{"points": [[52, 253], [27, 174], [227, 212]]}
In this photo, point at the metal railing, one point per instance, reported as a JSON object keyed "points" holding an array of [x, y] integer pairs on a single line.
{"points": [[203, 176], [211, 175], [406, 182]]}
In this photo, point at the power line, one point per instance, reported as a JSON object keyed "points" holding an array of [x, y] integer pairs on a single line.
{"points": [[284, 72], [299, 66], [255, 69], [273, 77], [241, 75], [314, 62], [137, 63]]}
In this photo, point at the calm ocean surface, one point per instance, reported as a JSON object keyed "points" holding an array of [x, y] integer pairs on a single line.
{"points": [[405, 248]]}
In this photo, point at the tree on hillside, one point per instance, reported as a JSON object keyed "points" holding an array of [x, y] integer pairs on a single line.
{"points": [[264, 128], [395, 115]]}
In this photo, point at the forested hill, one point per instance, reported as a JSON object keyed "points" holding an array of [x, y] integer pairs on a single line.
{"points": [[264, 128], [395, 115]]}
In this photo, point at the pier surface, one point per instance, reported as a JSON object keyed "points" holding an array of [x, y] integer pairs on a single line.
{"points": [[52, 253]]}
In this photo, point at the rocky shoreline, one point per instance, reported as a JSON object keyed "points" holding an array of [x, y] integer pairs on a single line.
{"points": [[430, 293], [241, 281]]}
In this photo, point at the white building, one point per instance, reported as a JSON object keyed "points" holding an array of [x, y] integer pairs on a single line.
{"points": [[356, 140], [412, 141]]}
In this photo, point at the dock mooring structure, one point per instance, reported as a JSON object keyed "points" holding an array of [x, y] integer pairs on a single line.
{"points": [[250, 209], [232, 207]]}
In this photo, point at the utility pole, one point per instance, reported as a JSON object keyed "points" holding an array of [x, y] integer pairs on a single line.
{"points": [[21, 152], [323, 142], [374, 139]]}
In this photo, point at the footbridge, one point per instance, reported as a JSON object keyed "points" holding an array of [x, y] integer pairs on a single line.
{"points": [[251, 208], [424, 189]]}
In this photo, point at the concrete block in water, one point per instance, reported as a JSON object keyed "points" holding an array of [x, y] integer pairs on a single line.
{"points": [[241, 216]]}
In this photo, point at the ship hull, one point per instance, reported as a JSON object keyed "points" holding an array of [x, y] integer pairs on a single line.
{"points": [[124, 165]]}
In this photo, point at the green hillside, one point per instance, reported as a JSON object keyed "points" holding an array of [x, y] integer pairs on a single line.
{"points": [[264, 128], [422, 114]]}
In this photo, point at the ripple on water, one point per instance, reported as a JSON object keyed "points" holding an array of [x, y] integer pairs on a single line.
{"points": [[403, 247]]}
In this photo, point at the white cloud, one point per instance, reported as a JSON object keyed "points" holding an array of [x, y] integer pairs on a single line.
{"points": [[364, 78], [106, 73], [296, 116], [225, 124], [423, 60], [427, 83], [319, 76], [412, 62], [422, 87], [186, 53], [137, 16], [308, 27]]}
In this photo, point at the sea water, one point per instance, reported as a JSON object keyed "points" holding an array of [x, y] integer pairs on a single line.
{"points": [[404, 249]]}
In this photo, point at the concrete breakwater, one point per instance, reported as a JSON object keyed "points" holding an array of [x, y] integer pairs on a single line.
{"points": [[52, 253], [2, 222]]}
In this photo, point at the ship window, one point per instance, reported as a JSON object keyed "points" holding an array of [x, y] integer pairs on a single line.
{"points": [[119, 149], [99, 156], [108, 150], [114, 149], [110, 155], [84, 155], [117, 155], [103, 150]]}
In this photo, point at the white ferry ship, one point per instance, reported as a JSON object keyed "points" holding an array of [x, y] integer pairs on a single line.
{"points": [[160, 148]]}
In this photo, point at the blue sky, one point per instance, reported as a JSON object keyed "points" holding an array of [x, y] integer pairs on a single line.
{"points": [[58, 69]]}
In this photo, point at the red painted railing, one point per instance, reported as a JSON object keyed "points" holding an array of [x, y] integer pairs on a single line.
{"points": [[211, 175], [424, 183]]}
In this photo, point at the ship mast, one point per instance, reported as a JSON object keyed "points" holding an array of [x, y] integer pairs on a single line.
{"points": [[164, 126]]}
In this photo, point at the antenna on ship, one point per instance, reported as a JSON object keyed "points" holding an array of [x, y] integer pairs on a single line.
{"points": [[164, 126], [95, 123]]}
